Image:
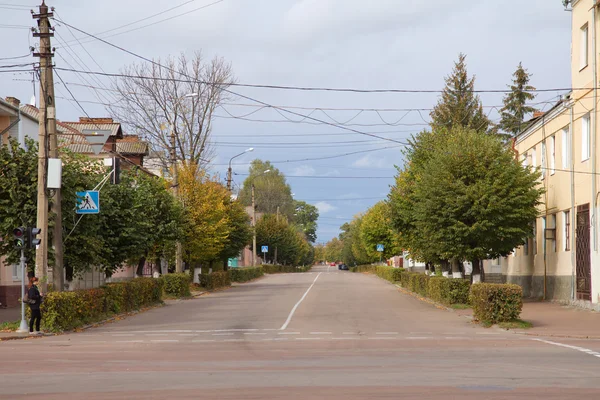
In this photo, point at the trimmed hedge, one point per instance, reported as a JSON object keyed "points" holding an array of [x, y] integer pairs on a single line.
{"points": [[493, 303], [215, 280], [283, 269], [364, 268], [177, 285], [419, 283], [63, 311], [245, 274], [389, 273], [449, 291]]}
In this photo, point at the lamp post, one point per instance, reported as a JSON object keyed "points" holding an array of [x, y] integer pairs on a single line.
{"points": [[178, 248], [229, 169]]}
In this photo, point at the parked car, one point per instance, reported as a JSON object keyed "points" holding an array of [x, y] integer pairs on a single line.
{"points": [[343, 267], [332, 264]]}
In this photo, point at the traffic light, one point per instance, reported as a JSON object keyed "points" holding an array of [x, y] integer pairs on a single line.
{"points": [[32, 241], [19, 235]]}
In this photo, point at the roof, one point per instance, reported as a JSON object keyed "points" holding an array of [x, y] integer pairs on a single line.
{"points": [[30, 111], [97, 124], [127, 147]]}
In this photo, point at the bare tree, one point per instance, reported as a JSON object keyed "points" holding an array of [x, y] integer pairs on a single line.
{"points": [[155, 98]]}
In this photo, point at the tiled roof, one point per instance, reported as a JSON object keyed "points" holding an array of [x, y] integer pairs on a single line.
{"points": [[132, 147], [32, 111], [114, 128]]}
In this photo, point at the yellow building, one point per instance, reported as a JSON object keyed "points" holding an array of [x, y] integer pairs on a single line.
{"points": [[563, 260]]}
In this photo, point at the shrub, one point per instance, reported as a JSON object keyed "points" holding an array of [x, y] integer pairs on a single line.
{"points": [[493, 303], [419, 283], [245, 274], [215, 280], [177, 285], [389, 273], [449, 291], [279, 269], [69, 310], [364, 268]]}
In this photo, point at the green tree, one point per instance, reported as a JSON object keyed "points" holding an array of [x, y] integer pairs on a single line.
{"points": [[271, 190], [240, 231], [474, 200], [515, 103], [376, 228], [292, 246], [459, 105], [306, 216], [333, 250]]}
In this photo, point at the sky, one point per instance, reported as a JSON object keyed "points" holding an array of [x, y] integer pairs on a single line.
{"points": [[329, 160]]}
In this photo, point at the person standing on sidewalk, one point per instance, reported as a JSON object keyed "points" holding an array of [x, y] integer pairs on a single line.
{"points": [[35, 297]]}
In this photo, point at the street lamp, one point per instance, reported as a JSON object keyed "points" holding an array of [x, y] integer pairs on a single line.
{"points": [[251, 149]]}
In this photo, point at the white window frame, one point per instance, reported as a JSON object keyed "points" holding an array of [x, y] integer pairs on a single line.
{"points": [[566, 235], [552, 226], [585, 137], [544, 161], [584, 47], [16, 273], [565, 148], [525, 160], [552, 145]]}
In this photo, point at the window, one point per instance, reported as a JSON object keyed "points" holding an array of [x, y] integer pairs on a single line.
{"points": [[535, 250], [583, 50], [551, 235], [16, 272], [565, 149], [567, 230], [496, 261], [526, 247], [544, 166], [533, 159], [585, 137], [552, 150]]}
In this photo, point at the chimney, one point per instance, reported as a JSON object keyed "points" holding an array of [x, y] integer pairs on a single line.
{"points": [[537, 114], [13, 101]]}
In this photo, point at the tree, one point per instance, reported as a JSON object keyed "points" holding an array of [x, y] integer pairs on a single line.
{"points": [[319, 253], [376, 229], [240, 231], [292, 246], [271, 190], [333, 250], [474, 200], [459, 105], [152, 98], [306, 216], [515, 103], [208, 227]]}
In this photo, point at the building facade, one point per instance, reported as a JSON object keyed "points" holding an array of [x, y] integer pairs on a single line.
{"points": [[562, 260]]}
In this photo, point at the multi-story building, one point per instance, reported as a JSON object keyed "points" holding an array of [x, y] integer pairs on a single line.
{"points": [[562, 261]]}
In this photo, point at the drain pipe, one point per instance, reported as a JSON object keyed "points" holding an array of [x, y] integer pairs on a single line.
{"points": [[594, 218], [571, 105]]}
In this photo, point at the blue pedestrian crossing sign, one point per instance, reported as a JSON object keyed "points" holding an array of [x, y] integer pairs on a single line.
{"points": [[88, 202], [264, 249], [380, 248]]}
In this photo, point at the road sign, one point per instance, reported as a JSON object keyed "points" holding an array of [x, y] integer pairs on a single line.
{"points": [[96, 138], [88, 202], [380, 248], [264, 249]]}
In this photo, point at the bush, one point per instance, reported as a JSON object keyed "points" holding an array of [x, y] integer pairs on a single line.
{"points": [[283, 269], [449, 291], [419, 283], [364, 268], [215, 280], [177, 285], [389, 273], [493, 303], [245, 274], [69, 310]]}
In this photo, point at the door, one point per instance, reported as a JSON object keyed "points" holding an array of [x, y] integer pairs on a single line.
{"points": [[584, 265]]}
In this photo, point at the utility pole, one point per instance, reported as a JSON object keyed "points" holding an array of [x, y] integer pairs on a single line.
{"points": [[253, 229], [47, 133], [275, 258], [229, 179], [174, 166]]}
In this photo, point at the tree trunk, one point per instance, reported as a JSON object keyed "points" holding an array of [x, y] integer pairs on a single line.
{"points": [[140, 267], [476, 274], [431, 268], [456, 272], [445, 265], [156, 268]]}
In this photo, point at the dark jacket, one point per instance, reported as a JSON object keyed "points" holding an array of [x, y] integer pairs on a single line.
{"points": [[34, 294]]}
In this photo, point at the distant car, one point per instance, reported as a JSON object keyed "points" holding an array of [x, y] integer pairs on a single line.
{"points": [[343, 267], [332, 264]]}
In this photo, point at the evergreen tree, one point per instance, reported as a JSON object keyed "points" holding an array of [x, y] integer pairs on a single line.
{"points": [[459, 106], [515, 103]]}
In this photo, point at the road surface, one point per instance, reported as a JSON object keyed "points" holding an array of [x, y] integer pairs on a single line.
{"points": [[322, 334]]}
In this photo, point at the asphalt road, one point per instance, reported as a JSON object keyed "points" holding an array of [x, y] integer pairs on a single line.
{"points": [[322, 334]]}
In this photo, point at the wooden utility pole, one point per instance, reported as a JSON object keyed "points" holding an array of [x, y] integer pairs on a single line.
{"points": [[275, 258], [47, 134], [253, 228], [174, 166]]}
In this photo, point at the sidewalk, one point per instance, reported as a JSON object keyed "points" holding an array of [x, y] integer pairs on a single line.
{"points": [[551, 319]]}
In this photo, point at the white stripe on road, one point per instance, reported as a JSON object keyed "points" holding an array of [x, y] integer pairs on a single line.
{"points": [[289, 318], [223, 334], [582, 349], [288, 333], [308, 338], [130, 341], [320, 333], [164, 341], [386, 333], [255, 333]]}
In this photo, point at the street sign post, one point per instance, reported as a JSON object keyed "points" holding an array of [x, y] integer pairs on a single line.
{"points": [[380, 250], [264, 250], [88, 202]]}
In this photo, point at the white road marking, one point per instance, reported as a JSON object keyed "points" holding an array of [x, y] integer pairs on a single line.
{"points": [[419, 337], [382, 338], [343, 338], [225, 330], [320, 333], [163, 331], [279, 339], [187, 334], [203, 341], [255, 333], [156, 334], [223, 334], [288, 333], [308, 338], [386, 333], [164, 341], [582, 349], [122, 334], [289, 318], [130, 341]]}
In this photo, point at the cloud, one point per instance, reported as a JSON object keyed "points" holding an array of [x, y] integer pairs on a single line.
{"points": [[304, 170], [325, 207], [370, 161]]}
